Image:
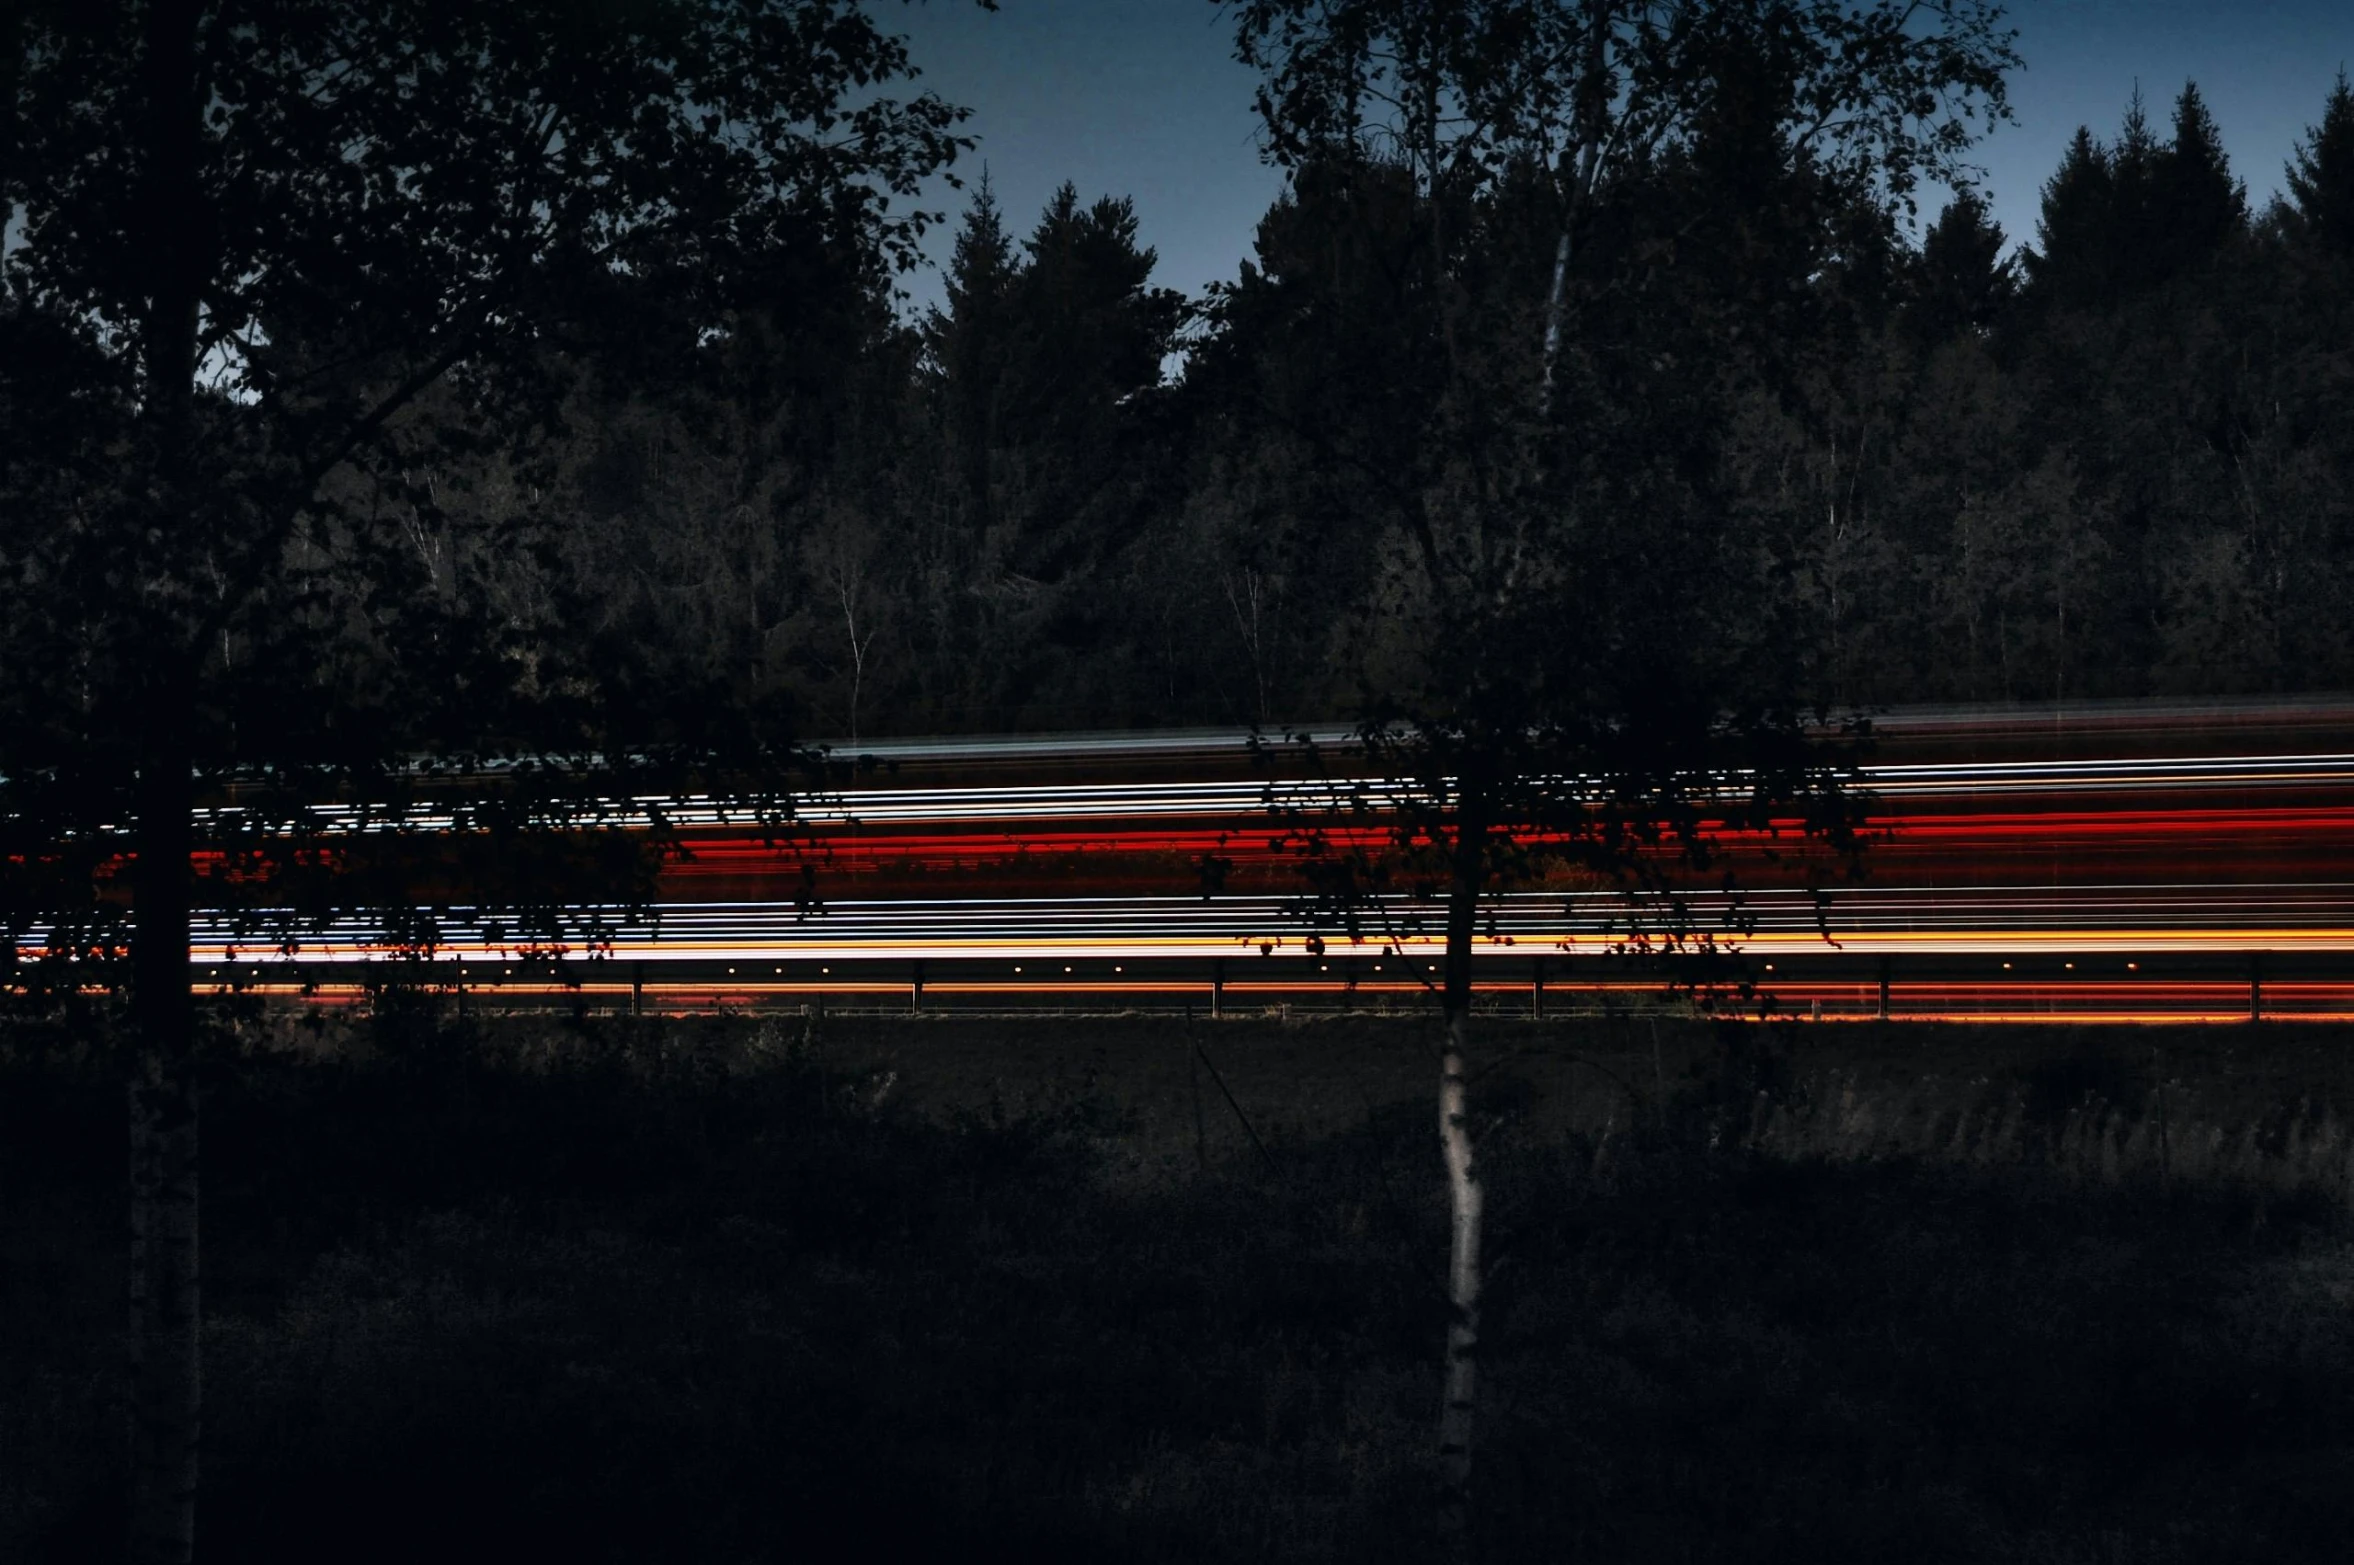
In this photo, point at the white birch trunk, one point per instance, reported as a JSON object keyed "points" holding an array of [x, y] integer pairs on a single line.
{"points": [[1465, 1206], [1466, 1200], [1556, 301]]}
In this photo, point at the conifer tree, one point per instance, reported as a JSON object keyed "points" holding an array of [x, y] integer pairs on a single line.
{"points": [[1089, 312], [2199, 206], [2136, 231], [1962, 279], [2130, 216], [967, 343], [2321, 177], [1089, 333], [2072, 262]]}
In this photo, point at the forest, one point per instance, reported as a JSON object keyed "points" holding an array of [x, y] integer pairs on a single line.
{"points": [[2111, 462], [1893, 457]]}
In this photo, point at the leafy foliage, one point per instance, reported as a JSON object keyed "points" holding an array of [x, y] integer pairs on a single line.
{"points": [[305, 296]]}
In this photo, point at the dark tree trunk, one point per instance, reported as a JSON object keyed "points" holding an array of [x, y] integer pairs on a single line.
{"points": [[165, 1297], [169, 235]]}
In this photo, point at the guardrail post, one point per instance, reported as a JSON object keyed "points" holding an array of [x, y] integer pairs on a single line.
{"points": [[2255, 986], [1536, 991], [915, 989], [1885, 964], [637, 988], [1218, 988]]}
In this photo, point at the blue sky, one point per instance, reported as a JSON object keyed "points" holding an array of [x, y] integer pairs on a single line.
{"points": [[1142, 98]]}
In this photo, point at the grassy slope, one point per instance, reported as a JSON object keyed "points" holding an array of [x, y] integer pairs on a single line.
{"points": [[716, 1291]]}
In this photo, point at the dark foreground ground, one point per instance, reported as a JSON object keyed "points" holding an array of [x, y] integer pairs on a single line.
{"points": [[739, 1290]]}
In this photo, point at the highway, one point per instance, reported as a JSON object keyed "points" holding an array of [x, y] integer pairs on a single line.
{"points": [[2127, 861]]}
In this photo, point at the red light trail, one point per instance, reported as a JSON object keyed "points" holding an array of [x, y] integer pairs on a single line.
{"points": [[2133, 872]]}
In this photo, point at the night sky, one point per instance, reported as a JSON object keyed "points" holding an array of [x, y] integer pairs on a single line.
{"points": [[1143, 98]]}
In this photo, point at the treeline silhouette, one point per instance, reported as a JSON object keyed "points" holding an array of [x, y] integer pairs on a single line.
{"points": [[2114, 463]]}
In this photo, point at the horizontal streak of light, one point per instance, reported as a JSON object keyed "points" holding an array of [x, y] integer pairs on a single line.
{"points": [[2124, 942], [2047, 830], [1962, 920], [882, 806], [1903, 916], [2020, 1005], [1987, 723]]}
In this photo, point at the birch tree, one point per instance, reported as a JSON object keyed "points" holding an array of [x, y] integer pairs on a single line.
{"points": [[1553, 698]]}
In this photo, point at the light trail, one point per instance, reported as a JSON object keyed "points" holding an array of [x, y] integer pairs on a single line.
{"points": [[2204, 883], [878, 806], [1854, 923]]}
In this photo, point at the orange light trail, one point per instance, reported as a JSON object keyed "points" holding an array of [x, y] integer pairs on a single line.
{"points": [[2139, 889]]}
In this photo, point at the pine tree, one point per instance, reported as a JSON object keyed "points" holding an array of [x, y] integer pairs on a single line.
{"points": [[2136, 234], [1962, 279], [1035, 370], [2126, 217], [1087, 333], [983, 258], [968, 344], [1085, 302], [2321, 177], [2073, 262], [2198, 205]]}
